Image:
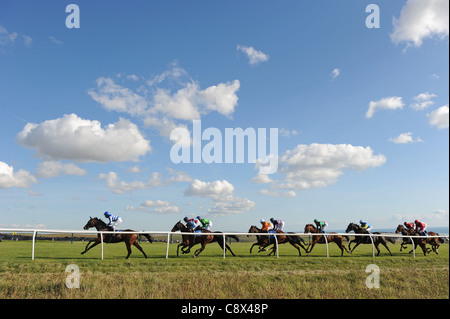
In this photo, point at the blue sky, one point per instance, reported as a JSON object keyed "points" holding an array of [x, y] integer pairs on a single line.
{"points": [[86, 113]]}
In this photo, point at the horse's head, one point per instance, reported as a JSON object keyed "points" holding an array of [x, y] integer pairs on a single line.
{"points": [[91, 223], [309, 228], [177, 227], [400, 229], [253, 230], [351, 227]]}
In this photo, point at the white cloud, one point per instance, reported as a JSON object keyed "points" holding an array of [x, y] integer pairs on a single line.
{"points": [[55, 40], [388, 103], [262, 179], [114, 97], [320, 165], [439, 117], [277, 194], [335, 73], [6, 37], [287, 133], [8, 178], [49, 169], [73, 138], [118, 186], [423, 101], [254, 56], [222, 194], [405, 138], [209, 189], [157, 207], [421, 19]]}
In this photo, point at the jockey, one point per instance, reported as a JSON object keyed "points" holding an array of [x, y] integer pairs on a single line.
{"points": [[266, 226], [192, 224], [278, 224], [321, 225], [206, 224], [114, 220], [365, 226], [421, 228], [408, 226]]}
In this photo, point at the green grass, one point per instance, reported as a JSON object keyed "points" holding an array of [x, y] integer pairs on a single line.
{"points": [[210, 276]]}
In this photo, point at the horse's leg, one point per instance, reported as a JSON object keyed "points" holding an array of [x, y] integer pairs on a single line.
{"points": [[198, 251], [93, 245], [296, 246], [384, 243], [136, 244], [354, 247], [252, 247], [378, 249], [128, 248]]}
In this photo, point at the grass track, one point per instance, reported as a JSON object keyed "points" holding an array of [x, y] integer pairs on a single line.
{"points": [[210, 276]]}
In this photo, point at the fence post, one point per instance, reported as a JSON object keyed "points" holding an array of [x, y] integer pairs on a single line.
{"points": [[413, 246], [373, 248], [32, 245], [326, 243], [224, 246], [101, 241], [167, 249], [276, 243]]}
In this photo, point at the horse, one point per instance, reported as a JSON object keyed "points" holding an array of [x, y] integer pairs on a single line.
{"points": [[366, 240], [422, 242], [266, 240], [117, 237], [190, 240], [337, 239]]}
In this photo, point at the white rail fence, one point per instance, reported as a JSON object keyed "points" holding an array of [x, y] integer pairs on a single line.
{"points": [[34, 233]]}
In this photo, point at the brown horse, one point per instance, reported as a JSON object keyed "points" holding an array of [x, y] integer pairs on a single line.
{"points": [[338, 239], [266, 240], [377, 240], [128, 238], [421, 242], [189, 240]]}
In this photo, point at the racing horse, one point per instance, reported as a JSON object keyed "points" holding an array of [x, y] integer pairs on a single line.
{"points": [[433, 241], [190, 240], [266, 240], [117, 237], [366, 240], [337, 239]]}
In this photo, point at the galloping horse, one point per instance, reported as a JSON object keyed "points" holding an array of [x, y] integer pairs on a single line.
{"points": [[434, 241], [366, 240], [117, 237], [189, 240], [266, 240], [309, 228]]}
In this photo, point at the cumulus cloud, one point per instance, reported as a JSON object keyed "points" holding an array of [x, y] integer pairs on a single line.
{"points": [[320, 165], [209, 189], [49, 169], [9, 178], [254, 56], [405, 138], [156, 207], [73, 138], [164, 108], [421, 19], [423, 101], [222, 193], [118, 186], [439, 117], [388, 103], [114, 97]]}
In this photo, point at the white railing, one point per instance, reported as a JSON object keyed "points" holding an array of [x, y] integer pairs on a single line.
{"points": [[34, 233]]}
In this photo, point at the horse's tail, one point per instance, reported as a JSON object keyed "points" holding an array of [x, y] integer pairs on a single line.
{"points": [[296, 239], [346, 237], [236, 238], [390, 239], [149, 238], [441, 239]]}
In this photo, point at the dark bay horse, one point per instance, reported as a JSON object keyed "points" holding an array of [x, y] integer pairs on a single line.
{"points": [[337, 239], [117, 237], [366, 239], [264, 240], [433, 241], [189, 239]]}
